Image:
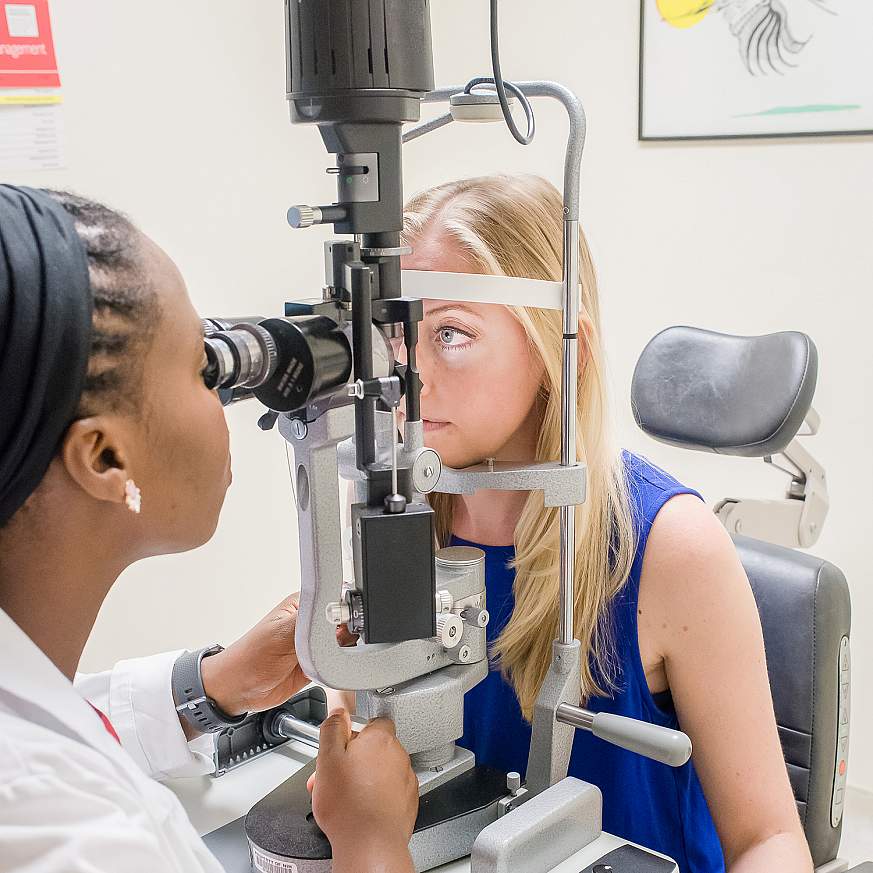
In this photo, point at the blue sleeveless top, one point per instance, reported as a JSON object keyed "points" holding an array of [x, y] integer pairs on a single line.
{"points": [[649, 803]]}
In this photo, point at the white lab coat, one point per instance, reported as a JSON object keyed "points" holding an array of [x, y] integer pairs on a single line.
{"points": [[71, 799]]}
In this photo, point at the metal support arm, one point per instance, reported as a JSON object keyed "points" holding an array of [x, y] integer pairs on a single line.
{"points": [[796, 520]]}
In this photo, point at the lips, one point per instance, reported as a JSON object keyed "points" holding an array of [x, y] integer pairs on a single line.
{"points": [[430, 425]]}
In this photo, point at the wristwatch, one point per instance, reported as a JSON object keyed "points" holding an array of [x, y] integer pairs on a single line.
{"points": [[192, 702]]}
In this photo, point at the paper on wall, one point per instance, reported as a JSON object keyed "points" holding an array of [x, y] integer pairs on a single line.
{"points": [[27, 48], [31, 138], [31, 134]]}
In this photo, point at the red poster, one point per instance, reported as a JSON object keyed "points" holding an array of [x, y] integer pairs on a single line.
{"points": [[27, 51]]}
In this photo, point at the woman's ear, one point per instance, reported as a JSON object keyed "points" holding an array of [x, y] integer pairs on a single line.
{"points": [[93, 455]]}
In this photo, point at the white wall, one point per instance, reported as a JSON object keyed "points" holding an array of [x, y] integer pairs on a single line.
{"points": [[176, 113]]}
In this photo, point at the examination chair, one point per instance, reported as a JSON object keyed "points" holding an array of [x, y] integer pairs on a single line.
{"points": [[749, 397]]}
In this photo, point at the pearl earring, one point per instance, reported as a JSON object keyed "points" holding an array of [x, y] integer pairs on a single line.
{"points": [[132, 497]]}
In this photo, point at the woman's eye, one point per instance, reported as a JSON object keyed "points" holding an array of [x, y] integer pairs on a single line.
{"points": [[451, 337]]}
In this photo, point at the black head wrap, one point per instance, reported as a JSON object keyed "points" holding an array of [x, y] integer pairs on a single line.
{"points": [[45, 336]]}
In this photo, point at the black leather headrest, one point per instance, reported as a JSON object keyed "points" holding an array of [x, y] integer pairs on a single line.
{"points": [[714, 392]]}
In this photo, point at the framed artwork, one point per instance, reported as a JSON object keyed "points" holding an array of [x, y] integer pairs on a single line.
{"points": [[750, 68]]}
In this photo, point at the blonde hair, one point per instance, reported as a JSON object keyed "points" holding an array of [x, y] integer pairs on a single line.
{"points": [[512, 225]]}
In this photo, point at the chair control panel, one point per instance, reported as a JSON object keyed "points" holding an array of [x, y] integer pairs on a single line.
{"points": [[842, 756]]}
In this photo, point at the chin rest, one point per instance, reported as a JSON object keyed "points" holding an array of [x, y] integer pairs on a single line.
{"points": [[715, 392]]}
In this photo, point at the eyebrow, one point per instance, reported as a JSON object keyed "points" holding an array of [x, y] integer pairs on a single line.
{"points": [[447, 306]]}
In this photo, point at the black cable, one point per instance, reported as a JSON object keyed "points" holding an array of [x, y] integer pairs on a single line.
{"points": [[501, 88]]}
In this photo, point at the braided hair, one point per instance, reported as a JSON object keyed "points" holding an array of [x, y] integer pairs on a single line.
{"points": [[125, 304]]}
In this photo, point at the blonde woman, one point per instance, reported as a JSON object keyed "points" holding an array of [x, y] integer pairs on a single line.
{"points": [[663, 607]]}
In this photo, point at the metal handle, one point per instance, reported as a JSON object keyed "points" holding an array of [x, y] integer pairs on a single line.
{"points": [[649, 740], [292, 728]]}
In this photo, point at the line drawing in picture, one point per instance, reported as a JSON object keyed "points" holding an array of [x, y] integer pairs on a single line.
{"points": [[762, 29]]}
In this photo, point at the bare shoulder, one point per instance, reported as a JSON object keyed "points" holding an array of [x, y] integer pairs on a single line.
{"points": [[686, 539], [685, 523], [692, 577]]}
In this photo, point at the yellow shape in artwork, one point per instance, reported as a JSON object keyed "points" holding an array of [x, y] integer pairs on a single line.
{"points": [[684, 13]]}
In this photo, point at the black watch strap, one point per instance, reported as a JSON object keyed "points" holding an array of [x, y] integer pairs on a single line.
{"points": [[200, 711]]}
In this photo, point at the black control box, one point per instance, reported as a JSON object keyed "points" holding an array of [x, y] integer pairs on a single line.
{"points": [[394, 569]]}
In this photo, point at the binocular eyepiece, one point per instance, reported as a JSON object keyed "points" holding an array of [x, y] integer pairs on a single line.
{"points": [[242, 354], [287, 363]]}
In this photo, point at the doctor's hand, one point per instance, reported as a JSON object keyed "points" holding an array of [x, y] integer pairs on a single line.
{"points": [[260, 670], [364, 796]]}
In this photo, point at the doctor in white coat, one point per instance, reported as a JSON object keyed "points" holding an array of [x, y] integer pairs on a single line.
{"points": [[113, 450]]}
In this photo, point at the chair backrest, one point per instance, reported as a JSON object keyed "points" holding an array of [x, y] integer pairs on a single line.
{"points": [[748, 396], [805, 614]]}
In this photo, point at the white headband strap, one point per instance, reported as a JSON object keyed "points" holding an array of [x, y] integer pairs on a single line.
{"points": [[480, 288]]}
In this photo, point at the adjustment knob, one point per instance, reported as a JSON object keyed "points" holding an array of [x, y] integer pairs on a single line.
{"points": [[338, 613], [304, 216], [476, 617], [444, 602], [426, 471], [449, 629]]}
